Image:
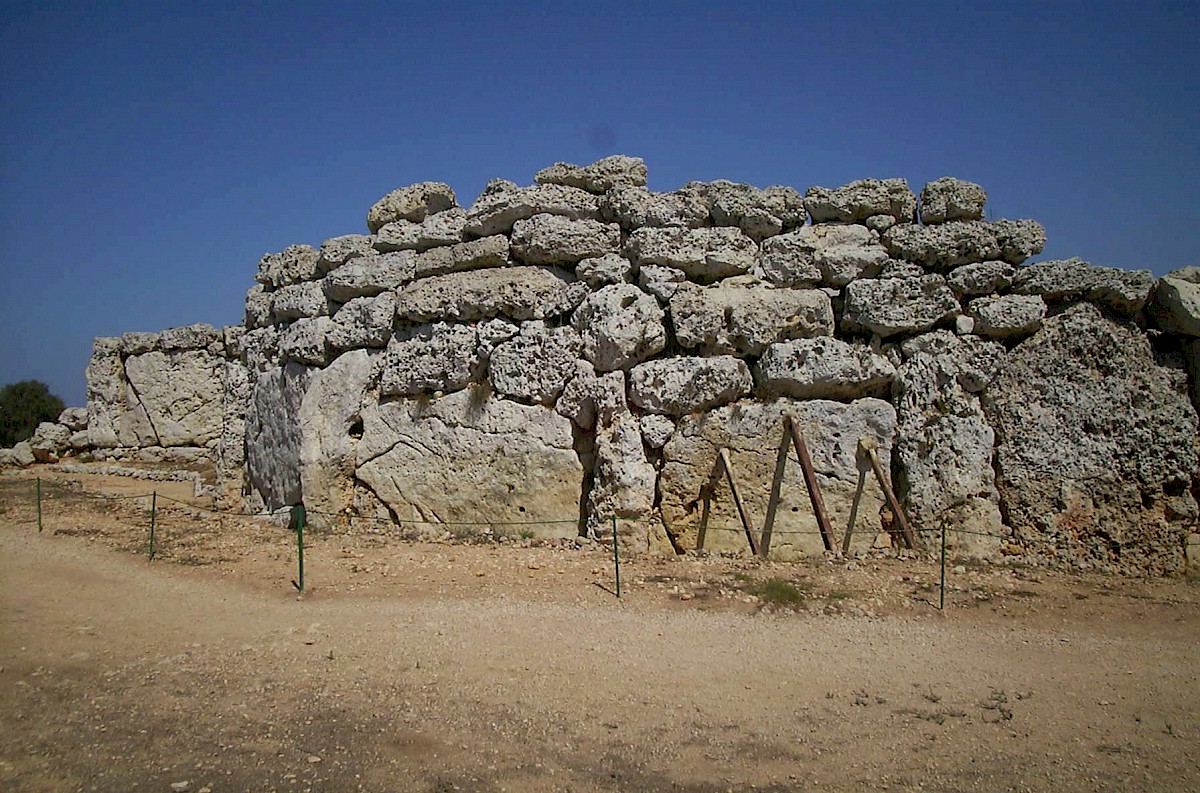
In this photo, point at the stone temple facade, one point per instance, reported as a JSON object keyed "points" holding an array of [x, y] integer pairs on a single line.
{"points": [[583, 348]]}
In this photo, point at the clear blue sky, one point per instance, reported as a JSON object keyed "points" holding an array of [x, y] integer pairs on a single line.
{"points": [[152, 152]]}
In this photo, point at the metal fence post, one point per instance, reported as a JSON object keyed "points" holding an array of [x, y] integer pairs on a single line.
{"points": [[298, 522], [39, 504], [942, 588], [153, 520], [616, 556]]}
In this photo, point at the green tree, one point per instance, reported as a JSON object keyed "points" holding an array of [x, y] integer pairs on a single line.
{"points": [[23, 406]]}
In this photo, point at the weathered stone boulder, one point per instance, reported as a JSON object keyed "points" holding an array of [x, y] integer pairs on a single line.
{"points": [[336, 251], [496, 212], [948, 198], [589, 397], [299, 301], [861, 199], [1176, 306], [19, 456], [960, 242], [758, 213], [307, 340], [635, 207], [171, 399], [623, 480], [888, 306], [273, 433], [427, 358], [660, 281], [553, 239], [74, 419], [751, 431], [832, 253], [602, 270], [443, 228], [620, 326], [973, 360], [470, 457], [656, 429], [744, 316], [609, 173], [197, 336], [1123, 291], [824, 368], [49, 441], [518, 293], [981, 278], [137, 342], [1007, 316], [535, 364], [230, 456], [678, 386], [474, 255], [105, 378], [1094, 446], [363, 322], [368, 276], [257, 313], [293, 265], [412, 203], [704, 254]]}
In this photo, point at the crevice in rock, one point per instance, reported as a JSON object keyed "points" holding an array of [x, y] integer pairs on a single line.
{"points": [[584, 443]]}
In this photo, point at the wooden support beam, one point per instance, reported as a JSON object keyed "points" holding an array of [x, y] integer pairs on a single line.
{"points": [[737, 501], [764, 547], [810, 479], [858, 491], [905, 529]]}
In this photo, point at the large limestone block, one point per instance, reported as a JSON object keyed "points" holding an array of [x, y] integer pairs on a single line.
{"points": [[105, 378], [974, 360], [744, 316], [662, 282], [260, 348], [948, 198], [535, 364], [758, 213], [299, 301], [496, 212], [1007, 316], [898, 305], [705, 254], [960, 242], [609, 173], [981, 278], [137, 342], [624, 480], [230, 455], [329, 413], [370, 275], [751, 431], [1176, 306], [293, 265], [49, 441], [861, 199], [176, 396], [257, 312], [832, 253], [603, 270], [363, 322], [74, 419], [437, 357], [19, 456], [412, 203], [474, 255], [273, 433], [518, 293], [1094, 446], [677, 386], [1123, 291], [336, 251], [307, 340], [588, 397], [443, 228], [553, 239], [197, 336], [824, 368], [620, 326], [635, 207], [944, 445], [474, 458]]}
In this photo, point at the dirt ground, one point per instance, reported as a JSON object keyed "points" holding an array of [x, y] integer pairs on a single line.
{"points": [[511, 666]]}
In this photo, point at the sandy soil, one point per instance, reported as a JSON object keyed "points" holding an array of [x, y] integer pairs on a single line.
{"points": [[512, 666]]}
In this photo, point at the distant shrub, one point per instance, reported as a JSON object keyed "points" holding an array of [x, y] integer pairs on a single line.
{"points": [[23, 406]]}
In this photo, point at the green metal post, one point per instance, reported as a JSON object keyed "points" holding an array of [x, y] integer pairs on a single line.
{"points": [[942, 588], [616, 556], [298, 520], [39, 503], [153, 520]]}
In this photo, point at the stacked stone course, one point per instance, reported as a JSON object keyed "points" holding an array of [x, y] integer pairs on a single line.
{"points": [[583, 347]]}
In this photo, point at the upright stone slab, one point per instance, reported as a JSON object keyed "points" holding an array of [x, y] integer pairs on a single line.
{"points": [[273, 433]]}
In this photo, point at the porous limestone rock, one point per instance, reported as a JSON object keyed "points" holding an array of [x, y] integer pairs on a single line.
{"points": [[589, 397], [473, 458], [336, 251], [609, 173], [880, 223], [535, 364], [172, 399], [294, 264], [370, 275], [412, 203], [1007, 316], [260, 348], [824, 368], [1123, 291], [273, 434], [363, 322], [861, 199], [74, 419], [1019, 239], [474, 255], [656, 429], [20, 455], [743, 316], [1093, 446], [518, 293], [830, 253], [438, 357], [945, 245], [307, 340], [553, 239], [138, 342], [677, 386], [974, 360], [197, 336], [231, 340], [635, 207], [105, 391], [620, 326], [758, 213], [496, 212], [624, 480], [443, 228], [898, 305], [49, 441], [299, 301], [751, 430], [704, 254], [660, 281], [948, 198], [257, 307], [1176, 306], [981, 278], [230, 457], [600, 271]]}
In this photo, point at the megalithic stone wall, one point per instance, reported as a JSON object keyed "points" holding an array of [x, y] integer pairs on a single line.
{"points": [[584, 347]]}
